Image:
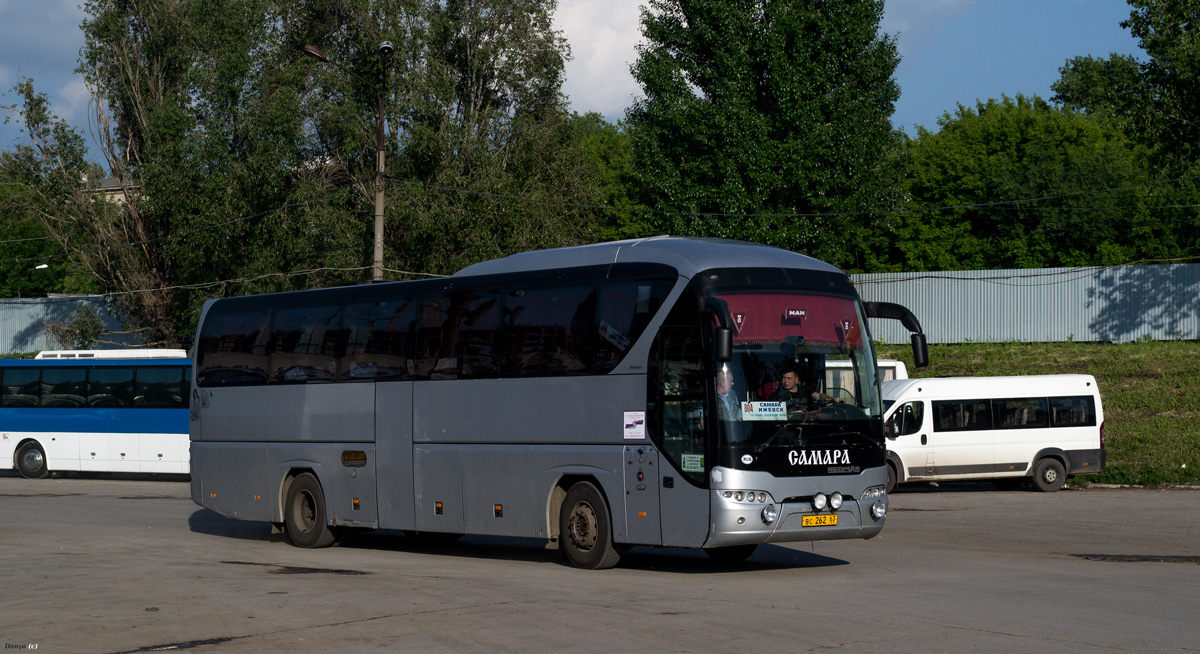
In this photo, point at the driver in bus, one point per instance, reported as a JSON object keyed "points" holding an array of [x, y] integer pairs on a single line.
{"points": [[796, 395]]}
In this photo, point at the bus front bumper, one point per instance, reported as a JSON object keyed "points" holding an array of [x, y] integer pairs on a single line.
{"points": [[795, 522]]}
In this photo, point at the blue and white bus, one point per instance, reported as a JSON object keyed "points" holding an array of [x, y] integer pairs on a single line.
{"points": [[95, 413], [579, 395]]}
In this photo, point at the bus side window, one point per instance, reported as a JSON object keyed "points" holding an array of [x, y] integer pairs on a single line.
{"points": [[298, 349], [22, 387], [64, 387], [1073, 411], [623, 310], [548, 331], [377, 340], [110, 387], [459, 335], [159, 388], [232, 350]]}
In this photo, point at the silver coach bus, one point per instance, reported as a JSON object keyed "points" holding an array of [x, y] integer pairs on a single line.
{"points": [[599, 397]]}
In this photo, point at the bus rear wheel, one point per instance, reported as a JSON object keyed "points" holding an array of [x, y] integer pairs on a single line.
{"points": [[31, 461], [585, 529], [304, 513], [1049, 475]]}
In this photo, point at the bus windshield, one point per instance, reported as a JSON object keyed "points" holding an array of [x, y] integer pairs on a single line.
{"points": [[800, 395]]}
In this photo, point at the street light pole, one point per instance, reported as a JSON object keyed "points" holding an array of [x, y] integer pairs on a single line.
{"points": [[386, 50]]}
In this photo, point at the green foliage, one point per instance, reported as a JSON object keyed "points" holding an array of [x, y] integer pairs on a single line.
{"points": [[1149, 391], [241, 162], [1023, 148], [1156, 103], [610, 150], [766, 108], [80, 332]]}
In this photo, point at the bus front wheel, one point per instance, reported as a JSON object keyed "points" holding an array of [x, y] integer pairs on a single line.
{"points": [[304, 513], [585, 529], [1049, 475], [31, 461]]}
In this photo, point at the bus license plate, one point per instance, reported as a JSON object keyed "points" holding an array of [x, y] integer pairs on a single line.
{"points": [[818, 521]]}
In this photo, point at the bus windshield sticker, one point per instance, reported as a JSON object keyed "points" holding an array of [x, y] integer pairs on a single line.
{"points": [[613, 336], [693, 463], [635, 425], [764, 411]]}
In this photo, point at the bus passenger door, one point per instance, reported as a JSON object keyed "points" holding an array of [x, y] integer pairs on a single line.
{"points": [[641, 495], [678, 391]]}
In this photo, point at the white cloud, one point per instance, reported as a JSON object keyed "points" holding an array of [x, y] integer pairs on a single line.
{"points": [[917, 22], [603, 36]]}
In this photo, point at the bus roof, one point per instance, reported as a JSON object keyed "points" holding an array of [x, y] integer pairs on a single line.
{"points": [[967, 388], [127, 353], [687, 255]]}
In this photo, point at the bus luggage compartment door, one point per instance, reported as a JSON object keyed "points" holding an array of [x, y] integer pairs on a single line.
{"points": [[641, 495]]}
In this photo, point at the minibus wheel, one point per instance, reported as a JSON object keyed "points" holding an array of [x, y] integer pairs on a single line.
{"points": [[304, 513], [31, 461], [585, 528], [1049, 475], [891, 480]]}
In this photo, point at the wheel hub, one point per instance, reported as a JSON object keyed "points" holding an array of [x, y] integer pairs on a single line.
{"points": [[584, 530], [33, 460]]}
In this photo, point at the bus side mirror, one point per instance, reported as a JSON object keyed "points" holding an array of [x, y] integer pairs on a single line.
{"points": [[723, 344], [920, 350]]}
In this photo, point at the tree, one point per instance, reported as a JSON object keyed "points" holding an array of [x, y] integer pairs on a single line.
{"points": [[988, 165], [1157, 100], [43, 183], [245, 167], [610, 149], [767, 107]]}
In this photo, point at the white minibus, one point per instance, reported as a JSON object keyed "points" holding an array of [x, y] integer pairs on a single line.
{"points": [[1047, 427]]}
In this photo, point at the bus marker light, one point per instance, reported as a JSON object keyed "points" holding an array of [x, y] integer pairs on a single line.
{"points": [[499, 509], [258, 497], [641, 514], [356, 506], [212, 495]]}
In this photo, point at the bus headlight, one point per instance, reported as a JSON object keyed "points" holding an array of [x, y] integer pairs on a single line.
{"points": [[879, 509], [819, 501], [873, 493], [835, 501], [769, 513]]}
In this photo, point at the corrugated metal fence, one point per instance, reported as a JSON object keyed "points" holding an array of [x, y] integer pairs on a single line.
{"points": [[1122, 303], [25, 322]]}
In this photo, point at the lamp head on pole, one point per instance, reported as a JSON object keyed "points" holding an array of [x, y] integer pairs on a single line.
{"points": [[316, 53]]}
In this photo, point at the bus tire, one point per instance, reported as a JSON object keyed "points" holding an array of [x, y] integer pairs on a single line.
{"points": [[585, 529], [730, 554], [304, 513], [1049, 475], [31, 461]]}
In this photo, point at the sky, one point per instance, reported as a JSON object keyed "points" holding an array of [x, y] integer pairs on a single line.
{"points": [[952, 51]]}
